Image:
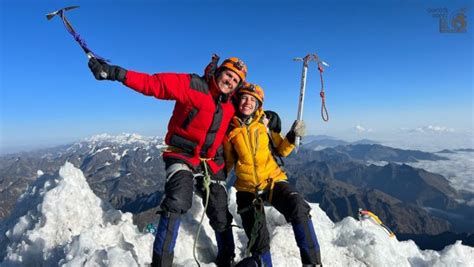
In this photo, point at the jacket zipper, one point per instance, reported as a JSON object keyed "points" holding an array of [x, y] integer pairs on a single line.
{"points": [[253, 151], [203, 153]]}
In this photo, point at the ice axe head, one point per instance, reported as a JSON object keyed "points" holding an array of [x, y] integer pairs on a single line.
{"points": [[59, 12]]}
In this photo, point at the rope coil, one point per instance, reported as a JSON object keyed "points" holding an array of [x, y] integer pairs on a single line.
{"points": [[259, 216], [324, 111], [206, 184]]}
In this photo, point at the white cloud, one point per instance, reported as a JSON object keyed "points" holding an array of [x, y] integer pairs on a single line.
{"points": [[432, 129], [470, 203], [459, 169], [361, 129]]}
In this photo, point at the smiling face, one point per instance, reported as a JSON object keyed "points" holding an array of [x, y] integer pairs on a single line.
{"points": [[227, 81], [248, 104]]}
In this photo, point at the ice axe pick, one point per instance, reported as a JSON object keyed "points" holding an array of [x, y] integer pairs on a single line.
{"points": [[77, 37]]}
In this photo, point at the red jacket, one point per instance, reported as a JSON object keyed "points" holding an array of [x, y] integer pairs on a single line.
{"points": [[200, 116]]}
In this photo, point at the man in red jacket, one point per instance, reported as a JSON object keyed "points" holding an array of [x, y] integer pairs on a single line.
{"points": [[196, 129]]}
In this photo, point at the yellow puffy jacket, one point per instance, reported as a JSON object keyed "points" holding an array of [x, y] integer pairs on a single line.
{"points": [[247, 147]]}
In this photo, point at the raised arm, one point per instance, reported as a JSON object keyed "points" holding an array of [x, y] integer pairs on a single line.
{"points": [[170, 86]]}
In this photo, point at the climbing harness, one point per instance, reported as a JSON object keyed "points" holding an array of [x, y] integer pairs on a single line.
{"points": [[306, 60], [174, 168], [207, 181]]}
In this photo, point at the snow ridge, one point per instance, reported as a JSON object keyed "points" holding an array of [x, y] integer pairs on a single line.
{"points": [[124, 139], [59, 221]]}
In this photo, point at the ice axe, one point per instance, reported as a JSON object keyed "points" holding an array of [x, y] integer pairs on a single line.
{"points": [[70, 29], [306, 60]]}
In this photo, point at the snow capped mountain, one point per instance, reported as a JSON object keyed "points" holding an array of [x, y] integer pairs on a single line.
{"points": [[125, 138], [107, 162], [116, 143], [59, 221]]}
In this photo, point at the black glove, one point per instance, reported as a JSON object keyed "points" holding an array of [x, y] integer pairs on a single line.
{"points": [[104, 71], [274, 122]]}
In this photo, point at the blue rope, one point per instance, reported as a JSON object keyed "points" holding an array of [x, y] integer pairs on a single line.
{"points": [[78, 38]]}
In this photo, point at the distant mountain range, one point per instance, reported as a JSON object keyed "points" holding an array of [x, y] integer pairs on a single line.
{"points": [[319, 142], [393, 184], [118, 169], [128, 171], [447, 151]]}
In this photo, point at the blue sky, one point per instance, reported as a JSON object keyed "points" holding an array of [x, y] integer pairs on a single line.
{"points": [[391, 70]]}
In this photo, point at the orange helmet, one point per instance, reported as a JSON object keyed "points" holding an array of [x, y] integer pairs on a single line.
{"points": [[253, 90], [236, 65]]}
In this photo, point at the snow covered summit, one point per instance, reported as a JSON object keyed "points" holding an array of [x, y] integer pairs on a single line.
{"points": [[59, 221], [125, 138]]}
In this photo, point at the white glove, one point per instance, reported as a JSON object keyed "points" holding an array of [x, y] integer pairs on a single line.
{"points": [[299, 128]]}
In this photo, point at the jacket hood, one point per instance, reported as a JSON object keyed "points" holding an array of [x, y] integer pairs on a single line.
{"points": [[238, 120]]}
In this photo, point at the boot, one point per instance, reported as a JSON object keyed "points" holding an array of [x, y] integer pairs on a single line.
{"points": [[248, 262], [165, 239], [307, 243], [225, 248], [257, 260], [164, 259]]}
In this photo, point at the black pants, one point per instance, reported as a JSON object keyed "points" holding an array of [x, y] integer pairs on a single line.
{"points": [[285, 199], [178, 200], [179, 197]]}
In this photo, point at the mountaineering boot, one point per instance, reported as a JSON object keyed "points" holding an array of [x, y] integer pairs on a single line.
{"points": [[257, 260], [225, 248], [165, 239], [307, 242], [247, 262]]}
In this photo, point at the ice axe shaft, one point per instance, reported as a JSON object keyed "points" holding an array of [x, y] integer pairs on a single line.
{"points": [[301, 98], [306, 60], [299, 116], [70, 29]]}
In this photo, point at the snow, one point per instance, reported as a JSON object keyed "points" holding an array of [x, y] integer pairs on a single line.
{"points": [[100, 150], [116, 156], [59, 221], [121, 144], [124, 139]]}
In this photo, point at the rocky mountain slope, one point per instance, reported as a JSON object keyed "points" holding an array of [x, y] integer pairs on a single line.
{"points": [[128, 172]]}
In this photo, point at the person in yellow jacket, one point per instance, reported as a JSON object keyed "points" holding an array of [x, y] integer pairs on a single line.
{"points": [[253, 147]]}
